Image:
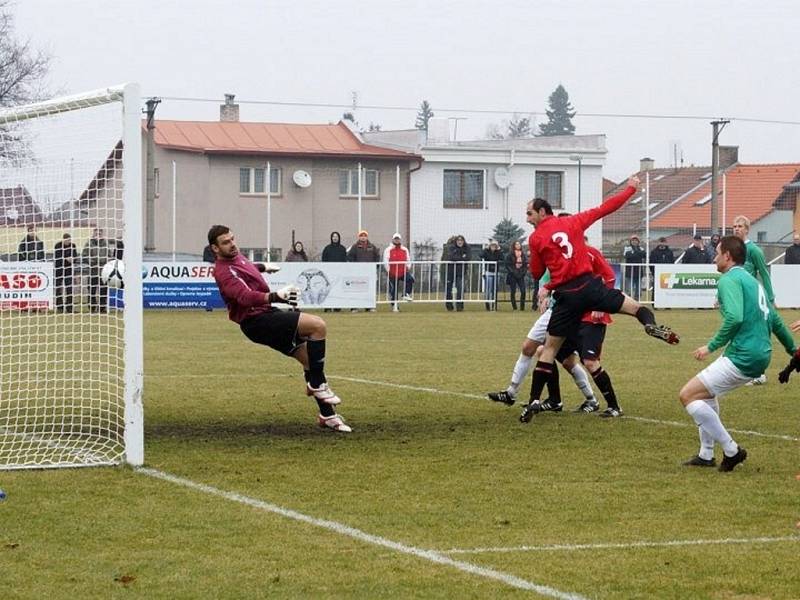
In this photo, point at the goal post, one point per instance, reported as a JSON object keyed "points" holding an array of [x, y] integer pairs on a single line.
{"points": [[71, 347]]}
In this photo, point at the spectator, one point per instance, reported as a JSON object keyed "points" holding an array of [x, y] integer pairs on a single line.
{"points": [[397, 260], [96, 253], [662, 254], [457, 255], [208, 255], [31, 248], [492, 256], [297, 253], [335, 251], [517, 269], [711, 247], [635, 257], [793, 252], [696, 253], [363, 250], [64, 256]]}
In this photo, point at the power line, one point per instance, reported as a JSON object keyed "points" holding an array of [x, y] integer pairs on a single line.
{"points": [[483, 110]]}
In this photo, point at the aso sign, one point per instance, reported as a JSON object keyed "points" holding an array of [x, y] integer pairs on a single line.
{"points": [[26, 285]]}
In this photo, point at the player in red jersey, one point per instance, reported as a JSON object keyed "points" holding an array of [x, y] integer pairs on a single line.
{"points": [[251, 304], [558, 245]]}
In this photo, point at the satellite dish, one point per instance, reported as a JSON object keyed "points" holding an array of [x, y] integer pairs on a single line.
{"points": [[301, 178], [502, 178]]}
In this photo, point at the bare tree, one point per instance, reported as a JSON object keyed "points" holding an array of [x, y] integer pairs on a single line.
{"points": [[22, 68]]}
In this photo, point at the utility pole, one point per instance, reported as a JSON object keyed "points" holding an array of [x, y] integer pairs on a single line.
{"points": [[150, 191], [717, 127]]}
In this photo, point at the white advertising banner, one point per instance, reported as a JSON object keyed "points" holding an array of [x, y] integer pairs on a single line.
{"points": [[26, 285], [322, 285], [685, 286], [329, 285], [786, 285]]}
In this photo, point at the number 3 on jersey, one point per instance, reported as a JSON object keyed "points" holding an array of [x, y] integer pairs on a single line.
{"points": [[562, 239]]}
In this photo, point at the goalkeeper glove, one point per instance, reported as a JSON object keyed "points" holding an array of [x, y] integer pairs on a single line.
{"points": [[289, 294], [794, 365]]}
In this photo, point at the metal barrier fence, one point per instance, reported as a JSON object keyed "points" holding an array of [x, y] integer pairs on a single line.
{"points": [[452, 283]]}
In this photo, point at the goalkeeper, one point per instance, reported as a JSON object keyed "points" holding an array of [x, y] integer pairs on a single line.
{"points": [[251, 304]]}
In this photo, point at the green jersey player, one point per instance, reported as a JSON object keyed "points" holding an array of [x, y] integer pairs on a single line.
{"points": [[748, 318]]}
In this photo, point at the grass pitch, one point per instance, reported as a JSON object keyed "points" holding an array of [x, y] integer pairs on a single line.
{"points": [[569, 504]]}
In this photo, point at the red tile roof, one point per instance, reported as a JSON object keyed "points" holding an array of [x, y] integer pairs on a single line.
{"points": [[751, 190], [287, 139]]}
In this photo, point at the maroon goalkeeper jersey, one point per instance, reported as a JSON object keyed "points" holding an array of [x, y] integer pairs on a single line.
{"points": [[242, 287], [557, 242]]}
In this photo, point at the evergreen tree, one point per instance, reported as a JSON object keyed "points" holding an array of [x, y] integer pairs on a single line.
{"points": [[423, 116], [559, 114], [506, 232]]}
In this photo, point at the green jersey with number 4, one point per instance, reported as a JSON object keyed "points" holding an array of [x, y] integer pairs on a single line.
{"points": [[748, 318]]}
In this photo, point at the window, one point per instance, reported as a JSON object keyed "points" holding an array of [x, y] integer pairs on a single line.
{"points": [[463, 188], [348, 182], [548, 186], [761, 237], [251, 180]]}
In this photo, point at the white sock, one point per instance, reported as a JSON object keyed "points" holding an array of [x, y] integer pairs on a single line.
{"points": [[520, 373], [581, 378], [706, 441], [706, 418]]}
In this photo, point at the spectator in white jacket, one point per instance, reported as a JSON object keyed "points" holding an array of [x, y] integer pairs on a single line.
{"points": [[397, 261]]}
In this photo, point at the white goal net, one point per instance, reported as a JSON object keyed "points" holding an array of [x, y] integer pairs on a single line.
{"points": [[70, 344]]}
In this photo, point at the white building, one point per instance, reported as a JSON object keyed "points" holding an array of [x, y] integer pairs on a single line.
{"points": [[468, 187]]}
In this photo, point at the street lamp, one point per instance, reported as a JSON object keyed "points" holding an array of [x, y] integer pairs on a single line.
{"points": [[579, 159]]}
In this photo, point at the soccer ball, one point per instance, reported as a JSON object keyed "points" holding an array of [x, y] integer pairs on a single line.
{"points": [[113, 273]]}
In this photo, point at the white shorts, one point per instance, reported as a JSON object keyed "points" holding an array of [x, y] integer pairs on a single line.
{"points": [[538, 332], [722, 376]]}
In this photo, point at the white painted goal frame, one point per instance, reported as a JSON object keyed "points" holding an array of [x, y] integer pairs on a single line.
{"points": [[44, 421]]}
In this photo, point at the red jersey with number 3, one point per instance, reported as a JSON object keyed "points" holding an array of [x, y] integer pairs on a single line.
{"points": [[557, 242]]}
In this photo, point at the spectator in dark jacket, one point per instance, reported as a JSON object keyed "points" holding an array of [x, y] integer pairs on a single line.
{"points": [[696, 253], [363, 250], [208, 255], [335, 251], [517, 270], [297, 253], [31, 248], [635, 257], [793, 252], [662, 254], [457, 255], [64, 256], [492, 255], [711, 247]]}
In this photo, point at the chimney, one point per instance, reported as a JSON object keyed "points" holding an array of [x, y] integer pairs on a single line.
{"points": [[728, 155], [646, 164], [229, 112]]}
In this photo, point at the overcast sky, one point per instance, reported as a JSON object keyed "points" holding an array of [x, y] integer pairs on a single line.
{"points": [[674, 58]]}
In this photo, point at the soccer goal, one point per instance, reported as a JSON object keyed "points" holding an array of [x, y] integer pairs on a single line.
{"points": [[70, 338]]}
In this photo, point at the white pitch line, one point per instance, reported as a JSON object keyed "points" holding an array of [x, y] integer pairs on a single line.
{"points": [[775, 436], [625, 546], [362, 536]]}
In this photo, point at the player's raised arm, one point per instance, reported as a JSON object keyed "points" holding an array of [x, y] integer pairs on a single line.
{"points": [[587, 217]]}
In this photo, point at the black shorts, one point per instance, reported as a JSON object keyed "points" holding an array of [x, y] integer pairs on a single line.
{"points": [[577, 297], [592, 337], [568, 348], [276, 329]]}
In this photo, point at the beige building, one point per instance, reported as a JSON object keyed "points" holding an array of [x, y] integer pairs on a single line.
{"points": [[220, 171]]}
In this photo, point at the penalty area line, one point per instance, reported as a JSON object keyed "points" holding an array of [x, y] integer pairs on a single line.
{"points": [[625, 546], [362, 536], [413, 388]]}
